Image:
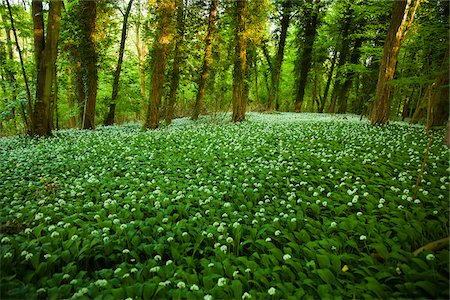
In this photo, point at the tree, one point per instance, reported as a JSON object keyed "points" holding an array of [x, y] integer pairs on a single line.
{"points": [[207, 59], [311, 19], [175, 76], [440, 96], [239, 101], [276, 67], [401, 20], [46, 51], [161, 48], [115, 89]]}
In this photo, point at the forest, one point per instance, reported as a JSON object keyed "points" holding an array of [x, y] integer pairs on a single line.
{"points": [[224, 149]]}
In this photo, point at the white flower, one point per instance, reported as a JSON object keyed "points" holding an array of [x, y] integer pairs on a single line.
{"points": [[54, 234], [246, 296], [333, 224], [435, 212], [293, 220], [359, 214], [73, 281], [118, 270], [363, 237], [235, 273], [222, 281], [125, 251], [101, 282], [181, 285], [268, 239], [207, 297], [155, 269], [247, 270], [210, 265], [7, 254], [398, 271], [277, 233], [169, 262], [51, 227], [272, 291], [417, 201], [28, 256], [194, 287], [333, 247], [430, 257], [123, 226], [5, 240], [229, 240], [157, 257], [380, 205], [74, 237], [66, 276], [27, 230], [224, 248], [286, 256], [38, 216], [170, 239], [133, 270]]}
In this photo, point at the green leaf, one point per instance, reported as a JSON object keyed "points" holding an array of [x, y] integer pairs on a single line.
{"points": [[236, 286], [323, 260], [148, 290], [326, 275]]}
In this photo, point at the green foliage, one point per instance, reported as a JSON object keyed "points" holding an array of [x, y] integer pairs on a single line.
{"points": [[282, 206]]}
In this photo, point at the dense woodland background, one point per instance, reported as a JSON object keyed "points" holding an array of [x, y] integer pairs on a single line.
{"points": [[68, 64]]}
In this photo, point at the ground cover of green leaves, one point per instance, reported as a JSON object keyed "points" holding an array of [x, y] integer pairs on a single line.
{"points": [[280, 206]]}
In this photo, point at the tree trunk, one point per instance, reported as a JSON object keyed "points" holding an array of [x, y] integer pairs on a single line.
{"points": [[175, 77], [26, 119], [161, 49], [89, 63], [345, 88], [115, 89], [402, 16], [72, 120], [311, 16], [142, 54], [46, 57], [440, 98], [207, 59], [239, 104], [276, 72], [327, 86]]}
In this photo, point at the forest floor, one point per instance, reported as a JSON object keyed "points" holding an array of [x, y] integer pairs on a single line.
{"points": [[279, 206]]}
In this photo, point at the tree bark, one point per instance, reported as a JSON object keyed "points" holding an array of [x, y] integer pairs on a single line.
{"points": [[327, 86], [175, 76], [311, 16], [26, 119], [46, 57], [345, 88], [109, 120], [142, 54], [161, 49], [402, 16], [440, 97], [89, 63], [72, 120], [239, 101], [207, 59], [276, 72]]}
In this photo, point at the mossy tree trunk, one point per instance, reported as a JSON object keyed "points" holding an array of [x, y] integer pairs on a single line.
{"points": [[240, 61], [401, 20], [161, 48]]}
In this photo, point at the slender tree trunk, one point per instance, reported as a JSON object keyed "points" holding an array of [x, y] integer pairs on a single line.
{"points": [[161, 48], [402, 17], [440, 98], [207, 59], [89, 63], [26, 119], [142, 54], [72, 120], [175, 76], [311, 16], [54, 103], [115, 89], [276, 72], [327, 86], [46, 57], [345, 88], [239, 101]]}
